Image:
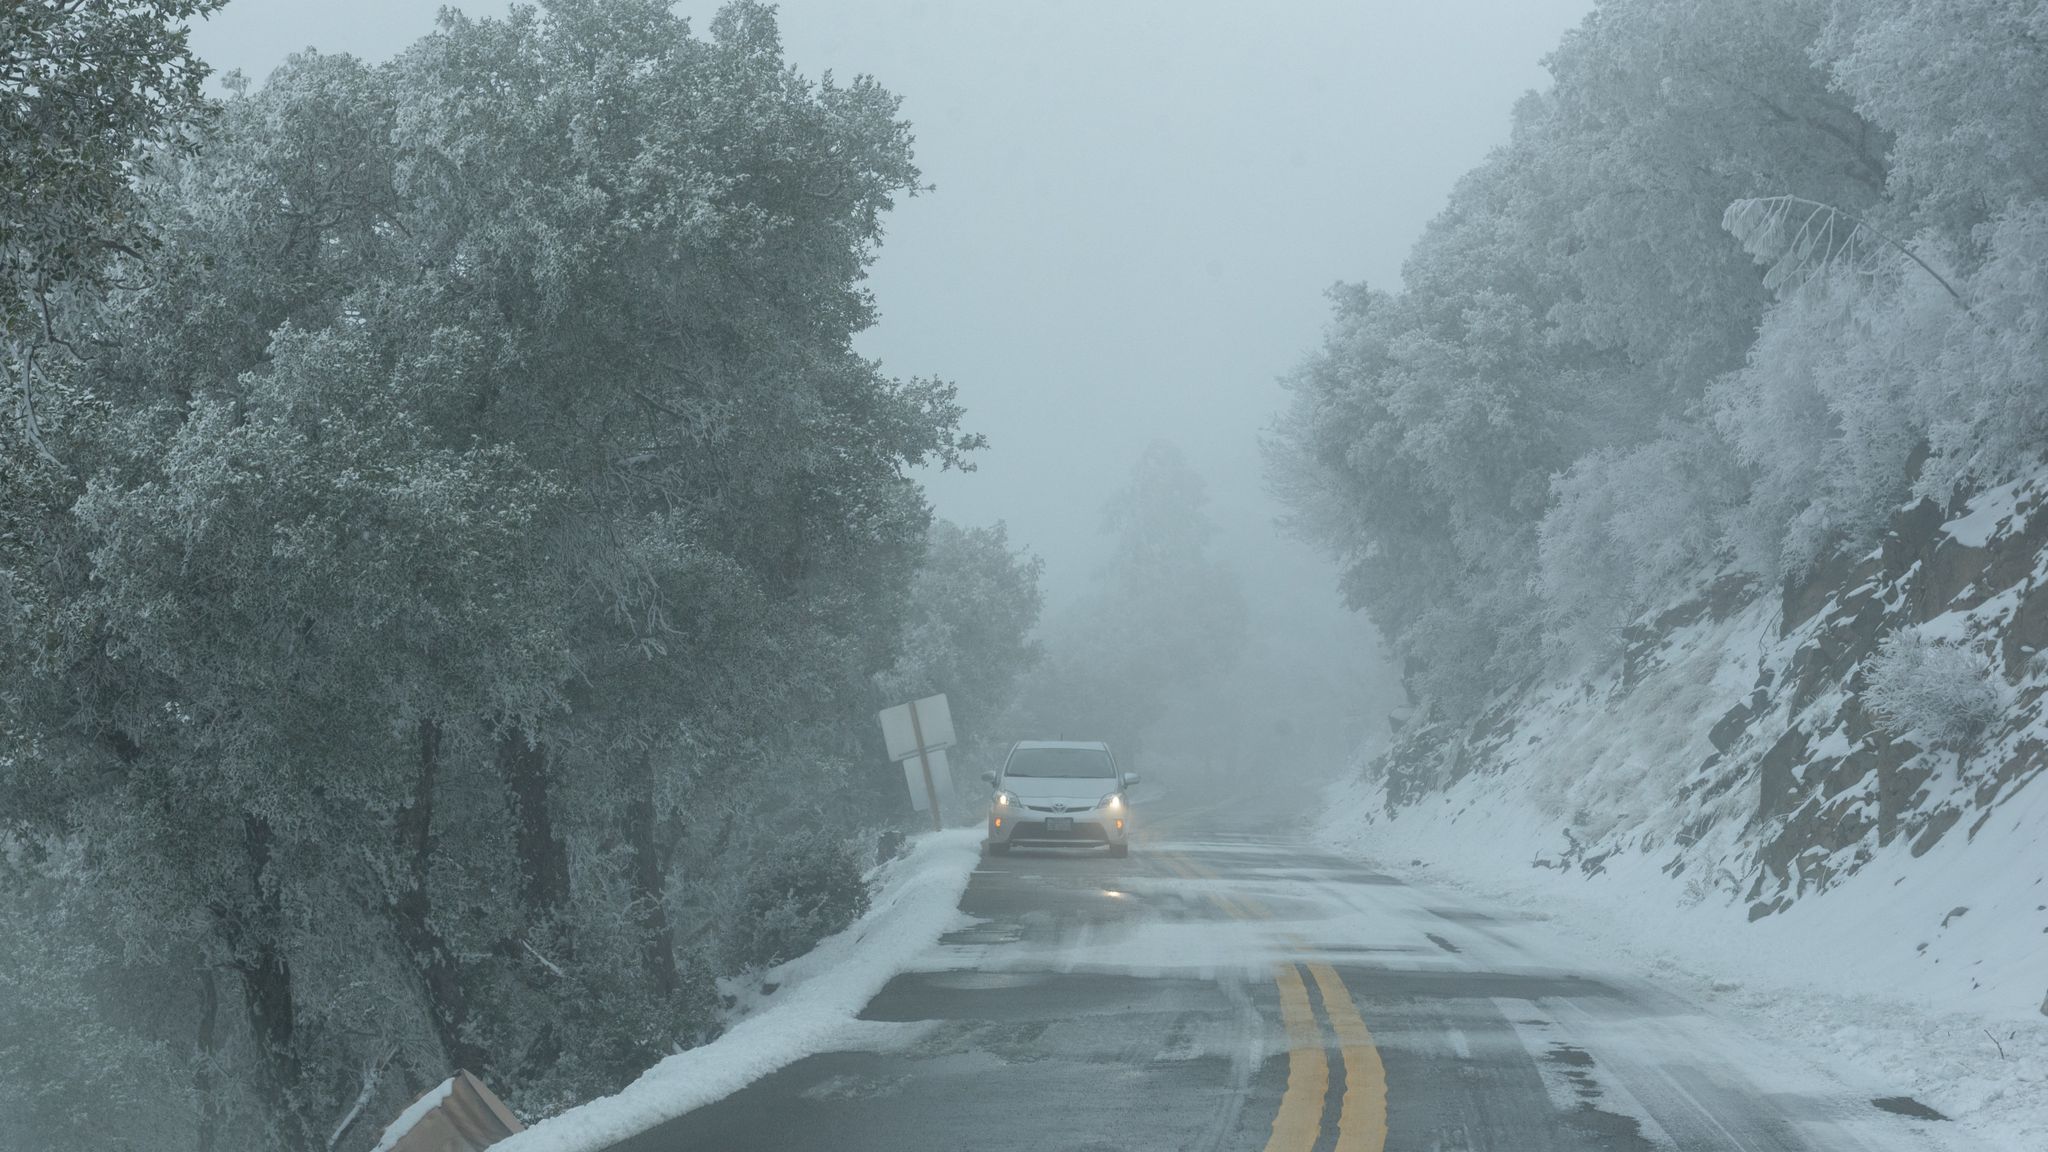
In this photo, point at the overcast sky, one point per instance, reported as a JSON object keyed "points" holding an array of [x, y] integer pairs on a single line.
{"points": [[1139, 207]]}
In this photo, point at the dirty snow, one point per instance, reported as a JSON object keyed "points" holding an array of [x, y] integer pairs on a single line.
{"points": [[813, 1009]]}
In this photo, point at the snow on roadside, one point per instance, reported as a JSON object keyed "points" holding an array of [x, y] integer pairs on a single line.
{"points": [[1926, 974], [813, 1009]]}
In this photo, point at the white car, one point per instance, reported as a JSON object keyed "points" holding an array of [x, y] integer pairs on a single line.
{"points": [[1060, 792]]}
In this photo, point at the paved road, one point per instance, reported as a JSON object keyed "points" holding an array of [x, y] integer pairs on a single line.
{"points": [[1228, 991]]}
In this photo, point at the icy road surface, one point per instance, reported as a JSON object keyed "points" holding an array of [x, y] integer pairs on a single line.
{"points": [[1224, 990]]}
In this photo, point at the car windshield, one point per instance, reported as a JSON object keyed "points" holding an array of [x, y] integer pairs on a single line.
{"points": [[1073, 763]]}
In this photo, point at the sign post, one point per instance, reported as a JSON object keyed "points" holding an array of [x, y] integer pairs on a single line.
{"points": [[924, 762], [919, 729]]}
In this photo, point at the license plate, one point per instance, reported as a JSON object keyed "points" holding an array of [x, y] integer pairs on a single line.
{"points": [[1059, 824]]}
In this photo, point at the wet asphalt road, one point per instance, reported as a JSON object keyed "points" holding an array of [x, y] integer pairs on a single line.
{"points": [[1233, 991]]}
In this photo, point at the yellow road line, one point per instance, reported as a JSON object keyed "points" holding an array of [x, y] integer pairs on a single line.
{"points": [[1362, 1118], [1362, 1125], [1300, 1119]]}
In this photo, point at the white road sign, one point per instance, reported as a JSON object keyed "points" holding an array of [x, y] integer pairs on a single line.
{"points": [[934, 722], [942, 780]]}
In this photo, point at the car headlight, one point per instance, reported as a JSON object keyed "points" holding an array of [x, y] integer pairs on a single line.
{"points": [[1005, 799], [1114, 802]]}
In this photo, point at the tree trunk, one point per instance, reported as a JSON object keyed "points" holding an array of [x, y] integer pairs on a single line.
{"points": [[543, 886], [206, 1074], [543, 860], [267, 992], [650, 880], [448, 1008]]}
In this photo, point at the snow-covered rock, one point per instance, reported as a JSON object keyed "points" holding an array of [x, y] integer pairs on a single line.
{"points": [[1731, 798]]}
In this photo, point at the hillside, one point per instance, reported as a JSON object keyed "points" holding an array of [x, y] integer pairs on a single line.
{"points": [[1734, 745]]}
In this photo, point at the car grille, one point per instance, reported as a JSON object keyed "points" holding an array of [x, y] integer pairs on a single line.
{"points": [[1063, 808]]}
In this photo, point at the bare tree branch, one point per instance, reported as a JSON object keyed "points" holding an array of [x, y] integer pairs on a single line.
{"points": [[1823, 238]]}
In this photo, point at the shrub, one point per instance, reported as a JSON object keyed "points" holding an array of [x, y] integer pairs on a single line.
{"points": [[809, 891], [1942, 692]]}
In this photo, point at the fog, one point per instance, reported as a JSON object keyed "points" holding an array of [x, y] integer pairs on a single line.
{"points": [[468, 492], [1136, 209]]}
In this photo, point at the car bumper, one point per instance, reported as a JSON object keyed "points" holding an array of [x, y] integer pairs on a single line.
{"points": [[1042, 828]]}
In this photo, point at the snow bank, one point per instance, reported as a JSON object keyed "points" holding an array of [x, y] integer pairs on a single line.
{"points": [[1927, 972], [813, 1009]]}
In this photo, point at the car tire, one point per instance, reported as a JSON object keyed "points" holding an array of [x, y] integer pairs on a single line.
{"points": [[994, 849], [1120, 850]]}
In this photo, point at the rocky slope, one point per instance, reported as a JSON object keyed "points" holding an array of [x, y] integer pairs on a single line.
{"points": [[1736, 744]]}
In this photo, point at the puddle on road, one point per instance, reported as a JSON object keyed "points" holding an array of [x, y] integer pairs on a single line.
{"points": [[1907, 1106], [1576, 1059], [1607, 1129], [1595, 1111]]}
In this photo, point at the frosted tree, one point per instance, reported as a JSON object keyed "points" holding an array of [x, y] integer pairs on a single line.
{"points": [[974, 605], [1938, 692], [1563, 320], [93, 96], [486, 491]]}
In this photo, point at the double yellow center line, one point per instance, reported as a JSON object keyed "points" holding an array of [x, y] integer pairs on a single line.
{"points": [[1300, 1119], [1362, 1124], [1362, 1118]]}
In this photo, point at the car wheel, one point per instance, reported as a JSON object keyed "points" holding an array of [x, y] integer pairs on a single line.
{"points": [[1120, 850]]}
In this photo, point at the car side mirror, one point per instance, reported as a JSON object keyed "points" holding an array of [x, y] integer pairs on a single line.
{"points": [[988, 778], [1130, 778]]}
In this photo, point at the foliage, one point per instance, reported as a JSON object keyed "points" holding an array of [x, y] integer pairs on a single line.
{"points": [[482, 536], [94, 95], [813, 888], [968, 630], [79, 1065], [1633, 527], [1745, 278], [1933, 690], [1960, 86]]}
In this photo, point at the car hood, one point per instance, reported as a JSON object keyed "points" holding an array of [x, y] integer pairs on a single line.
{"points": [[1060, 787]]}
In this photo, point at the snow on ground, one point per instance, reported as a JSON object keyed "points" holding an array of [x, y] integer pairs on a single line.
{"points": [[1928, 974], [817, 997]]}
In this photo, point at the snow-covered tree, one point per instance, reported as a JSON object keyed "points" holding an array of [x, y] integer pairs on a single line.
{"points": [[487, 528], [1938, 692], [973, 608], [94, 96], [1568, 310]]}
